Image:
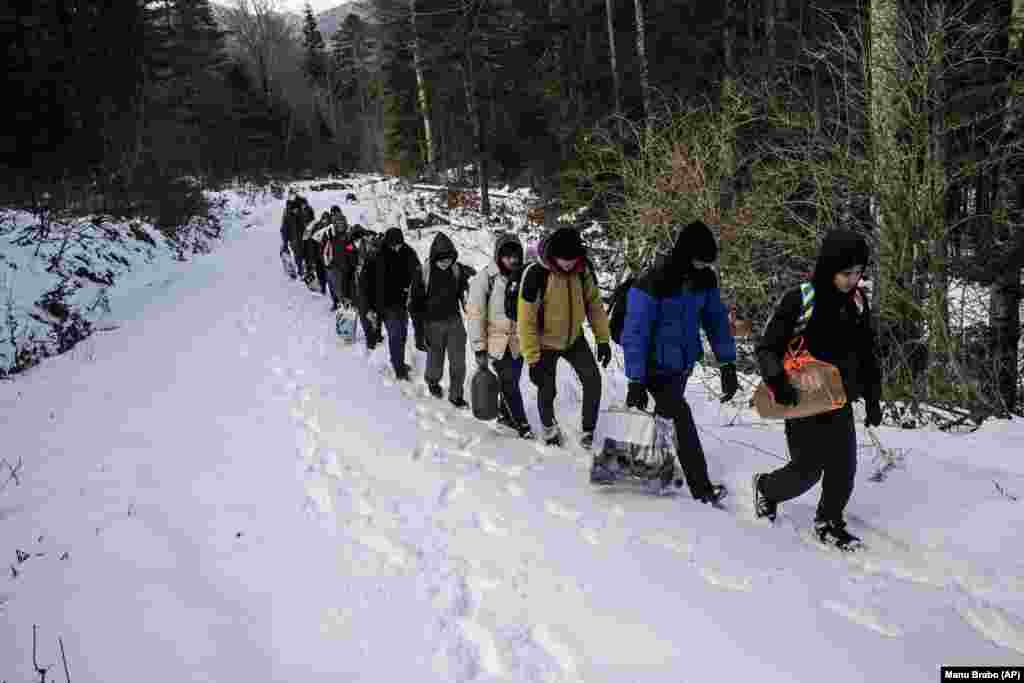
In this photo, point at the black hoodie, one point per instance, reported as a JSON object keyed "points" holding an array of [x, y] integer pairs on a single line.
{"points": [[444, 289], [840, 331]]}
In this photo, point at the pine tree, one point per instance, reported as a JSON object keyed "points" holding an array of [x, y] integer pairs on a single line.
{"points": [[314, 63]]}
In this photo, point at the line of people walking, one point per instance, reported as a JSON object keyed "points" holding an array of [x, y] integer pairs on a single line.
{"points": [[516, 315]]}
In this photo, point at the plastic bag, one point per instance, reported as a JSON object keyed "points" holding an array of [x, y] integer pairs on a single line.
{"points": [[345, 324], [818, 384], [636, 443]]}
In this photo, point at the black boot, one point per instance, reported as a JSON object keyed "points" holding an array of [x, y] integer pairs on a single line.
{"points": [[762, 506], [835, 533]]}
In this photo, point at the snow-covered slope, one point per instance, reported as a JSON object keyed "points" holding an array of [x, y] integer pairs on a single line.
{"points": [[219, 492]]}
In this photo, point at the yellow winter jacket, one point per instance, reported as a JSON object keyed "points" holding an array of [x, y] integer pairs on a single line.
{"points": [[566, 300]]}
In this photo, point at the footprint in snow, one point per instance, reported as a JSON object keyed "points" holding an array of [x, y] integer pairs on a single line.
{"points": [[995, 624], [558, 510], [451, 490], [864, 616], [720, 579]]}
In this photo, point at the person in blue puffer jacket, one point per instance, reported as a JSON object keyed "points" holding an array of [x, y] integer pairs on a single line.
{"points": [[665, 310]]}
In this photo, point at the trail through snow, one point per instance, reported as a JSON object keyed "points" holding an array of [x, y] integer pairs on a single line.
{"points": [[223, 492]]}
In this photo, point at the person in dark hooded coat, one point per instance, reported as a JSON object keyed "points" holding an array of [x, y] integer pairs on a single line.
{"points": [[665, 310], [839, 332], [437, 306], [395, 271], [297, 215]]}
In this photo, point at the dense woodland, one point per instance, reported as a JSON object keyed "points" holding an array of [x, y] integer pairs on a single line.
{"points": [[774, 120]]}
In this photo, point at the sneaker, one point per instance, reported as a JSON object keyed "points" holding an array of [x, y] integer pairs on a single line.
{"points": [[601, 474], [835, 533], [435, 389], [587, 440], [525, 432], [667, 476], [718, 493], [458, 402], [762, 506], [552, 436]]}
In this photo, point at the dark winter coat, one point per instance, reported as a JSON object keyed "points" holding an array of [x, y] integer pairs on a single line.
{"points": [[347, 254], [394, 274], [840, 330], [442, 292], [665, 311], [297, 215]]}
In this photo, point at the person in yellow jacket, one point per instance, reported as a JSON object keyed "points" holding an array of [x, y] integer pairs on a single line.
{"points": [[558, 292]]}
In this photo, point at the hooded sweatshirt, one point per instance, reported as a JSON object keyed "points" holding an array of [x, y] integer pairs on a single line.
{"points": [[441, 296], [489, 327], [840, 330]]}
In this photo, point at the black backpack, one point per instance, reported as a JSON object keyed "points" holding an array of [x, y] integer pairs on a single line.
{"points": [[617, 309]]}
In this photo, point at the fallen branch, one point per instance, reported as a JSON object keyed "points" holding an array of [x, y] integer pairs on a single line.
{"points": [[64, 659], [35, 662], [1004, 493]]}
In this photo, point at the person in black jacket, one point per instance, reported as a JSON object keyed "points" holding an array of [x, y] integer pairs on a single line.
{"points": [[437, 306], [365, 291], [297, 215], [395, 270], [839, 332]]}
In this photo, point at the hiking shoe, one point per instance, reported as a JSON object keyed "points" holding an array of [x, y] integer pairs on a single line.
{"points": [[458, 402], [402, 373], [835, 533], [715, 497], [525, 432], [587, 440], [667, 475], [762, 506], [601, 474], [552, 436], [435, 389]]}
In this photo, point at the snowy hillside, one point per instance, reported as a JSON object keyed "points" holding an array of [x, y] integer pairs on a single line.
{"points": [[218, 491]]}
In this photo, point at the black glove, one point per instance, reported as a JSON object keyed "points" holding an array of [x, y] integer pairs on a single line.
{"points": [[636, 396], [874, 413], [604, 354], [729, 382], [482, 360], [536, 374], [784, 392]]}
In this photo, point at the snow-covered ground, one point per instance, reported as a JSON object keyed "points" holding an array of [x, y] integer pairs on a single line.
{"points": [[218, 491]]}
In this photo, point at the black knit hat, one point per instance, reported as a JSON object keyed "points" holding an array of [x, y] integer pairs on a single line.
{"points": [[393, 236], [695, 241], [565, 243]]}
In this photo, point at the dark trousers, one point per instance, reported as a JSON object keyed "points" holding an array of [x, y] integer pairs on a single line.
{"points": [[820, 447], [581, 358], [396, 322], [315, 264], [669, 392], [296, 248], [510, 370], [446, 337], [370, 331]]}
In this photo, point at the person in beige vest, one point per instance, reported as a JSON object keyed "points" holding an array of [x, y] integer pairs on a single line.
{"points": [[491, 313]]}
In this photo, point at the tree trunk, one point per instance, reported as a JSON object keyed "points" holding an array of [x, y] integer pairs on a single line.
{"points": [[1005, 296], [938, 278], [616, 86], [727, 186], [421, 88], [641, 51], [882, 78], [770, 46]]}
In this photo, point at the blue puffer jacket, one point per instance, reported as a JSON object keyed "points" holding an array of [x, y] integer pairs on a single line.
{"points": [[661, 333]]}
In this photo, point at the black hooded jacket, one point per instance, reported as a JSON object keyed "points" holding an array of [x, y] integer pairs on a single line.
{"points": [[840, 330], [394, 273], [443, 291]]}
